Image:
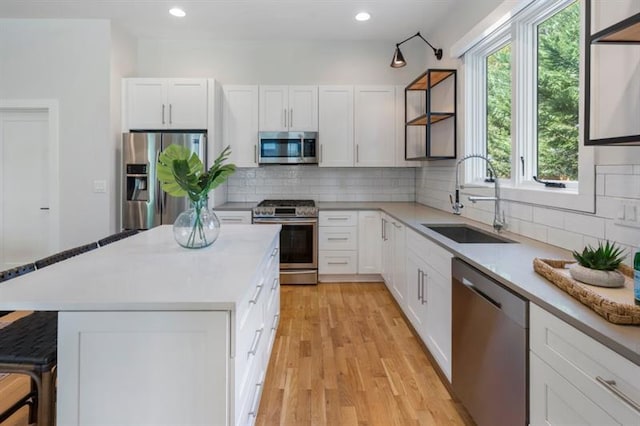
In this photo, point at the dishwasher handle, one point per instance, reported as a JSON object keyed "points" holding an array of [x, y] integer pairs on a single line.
{"points": [[475, 289]]}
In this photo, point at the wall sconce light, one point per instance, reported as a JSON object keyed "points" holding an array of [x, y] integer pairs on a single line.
{"points": [[398, 60]]}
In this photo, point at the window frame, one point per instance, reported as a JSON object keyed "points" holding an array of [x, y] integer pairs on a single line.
{"points": [[521, 31]]}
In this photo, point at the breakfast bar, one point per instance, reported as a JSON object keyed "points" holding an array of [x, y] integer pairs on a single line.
{"points": [[150, 333]]}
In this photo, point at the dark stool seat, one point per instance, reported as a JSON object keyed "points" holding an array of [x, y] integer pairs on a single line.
{"points": [[117, 237], [29, 346]]}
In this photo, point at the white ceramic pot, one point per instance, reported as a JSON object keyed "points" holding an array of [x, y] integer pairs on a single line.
{"points": [[596, 277]]}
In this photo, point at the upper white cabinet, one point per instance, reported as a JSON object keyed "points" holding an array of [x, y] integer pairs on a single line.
{"points": [[375, 126], [336, 126], [288, 108], [240, 124], [160, 103]]}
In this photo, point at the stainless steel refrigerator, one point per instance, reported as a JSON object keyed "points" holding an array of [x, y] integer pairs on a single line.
{"points": [[144, 203]]}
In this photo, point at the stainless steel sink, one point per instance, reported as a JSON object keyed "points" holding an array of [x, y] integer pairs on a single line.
{"points": [[465, 234]]}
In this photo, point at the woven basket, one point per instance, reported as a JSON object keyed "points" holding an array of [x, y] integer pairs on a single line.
{"points": [[597, 298]]}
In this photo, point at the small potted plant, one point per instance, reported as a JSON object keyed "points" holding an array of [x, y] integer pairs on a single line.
{"points": [[599, 266], [182, 173]]}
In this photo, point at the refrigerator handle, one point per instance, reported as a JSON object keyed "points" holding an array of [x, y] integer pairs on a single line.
{"points": [[159, 202]]}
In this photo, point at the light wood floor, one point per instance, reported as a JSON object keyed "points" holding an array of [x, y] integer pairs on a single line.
{"points": [[344, 355]]}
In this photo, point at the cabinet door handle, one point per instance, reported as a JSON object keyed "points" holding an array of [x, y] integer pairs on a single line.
{"points": [[338, 218], [320, 153], [424, 288], [337, 238], [285, 118], [291, 117], [419, 281], [163, 114], [338, 263], [611, 386], [276, 319], [170, 113], [256, 342], [274, 252], [383, 221], [275, 284], [256, 399], [357, 153], [256, 295], [255, 154]]}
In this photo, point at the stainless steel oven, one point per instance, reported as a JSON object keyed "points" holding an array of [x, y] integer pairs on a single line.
{"points": [[298, 238]]}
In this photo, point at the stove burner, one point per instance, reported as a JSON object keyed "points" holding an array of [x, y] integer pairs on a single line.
{"points": [[287, 203], [285, 208]]}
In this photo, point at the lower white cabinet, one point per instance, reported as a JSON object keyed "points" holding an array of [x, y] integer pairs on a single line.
{"points": [[428, 296], [576, 380], [349, 242], [234, 217], [393, 258]]}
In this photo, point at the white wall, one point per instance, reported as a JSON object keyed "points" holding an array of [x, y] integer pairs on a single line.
{"points": [[123, 64], [280, 62], [617, 172], [67, 61]]}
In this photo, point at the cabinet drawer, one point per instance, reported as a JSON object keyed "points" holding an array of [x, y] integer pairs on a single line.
{"points": [[587, 364], [234, 217], [338, 238], [338, 262], [430, 252], [338, 218]]}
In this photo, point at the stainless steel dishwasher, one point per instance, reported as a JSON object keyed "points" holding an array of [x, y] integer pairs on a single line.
{"points": [[489, 348]]}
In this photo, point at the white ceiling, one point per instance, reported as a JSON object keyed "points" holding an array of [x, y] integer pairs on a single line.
{"points": [[391, 20]]}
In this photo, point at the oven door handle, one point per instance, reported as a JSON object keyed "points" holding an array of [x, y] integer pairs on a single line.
{"points": [[285, 221]]}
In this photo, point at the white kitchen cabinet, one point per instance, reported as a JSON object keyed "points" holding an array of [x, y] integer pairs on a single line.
{"points": [[375, 126], [400, 136], [393, 258], [288, 108], [335, 126], [234, 217], [240, 124], [369, 243], [160, 103], [429, 296], [574, 379]]}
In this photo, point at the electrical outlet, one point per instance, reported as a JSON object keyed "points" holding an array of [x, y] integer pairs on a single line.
{"points": [[99, 186]]}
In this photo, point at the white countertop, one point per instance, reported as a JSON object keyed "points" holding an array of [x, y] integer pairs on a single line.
{"points": [[148, 271]]}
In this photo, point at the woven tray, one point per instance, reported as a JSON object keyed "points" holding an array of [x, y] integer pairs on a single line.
{"points": [[616, 305]]}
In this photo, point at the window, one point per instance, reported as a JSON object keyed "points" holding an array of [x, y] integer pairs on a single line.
{"points": [[527, 71]]}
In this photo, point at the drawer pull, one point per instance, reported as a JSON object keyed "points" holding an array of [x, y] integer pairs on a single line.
{"points": [[274, 252], [337, 238], [611, 386], [256, 399], [276, 319], [256, 296], [256, 342], [338, 263], [338, 218], [275, 283], [231, 219]]}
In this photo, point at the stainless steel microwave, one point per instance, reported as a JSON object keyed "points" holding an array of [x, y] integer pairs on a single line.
{"points": [[288, 148]]}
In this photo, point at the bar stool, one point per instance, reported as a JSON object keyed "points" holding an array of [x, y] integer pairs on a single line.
{"points": [[117, 237], [29, 346]]}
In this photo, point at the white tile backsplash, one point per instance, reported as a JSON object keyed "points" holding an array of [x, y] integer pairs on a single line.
{"points": [[322, 184], [615, 184]]}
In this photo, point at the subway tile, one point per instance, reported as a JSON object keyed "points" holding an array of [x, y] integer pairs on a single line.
{"points": [[624, 186], [548, 217], [607, 207], [600, 180], [584, 224], [565, 239], [622, 234], [615, 170]]}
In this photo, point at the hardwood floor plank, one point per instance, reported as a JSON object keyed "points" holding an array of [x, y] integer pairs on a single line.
{"points": [[343, 356]]}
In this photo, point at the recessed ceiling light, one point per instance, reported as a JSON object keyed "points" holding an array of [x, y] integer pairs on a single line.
{"points": [[363, 16], [176, 11]]}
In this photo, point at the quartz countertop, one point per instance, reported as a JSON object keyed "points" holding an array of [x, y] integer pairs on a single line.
{"points": [[149, 272]]}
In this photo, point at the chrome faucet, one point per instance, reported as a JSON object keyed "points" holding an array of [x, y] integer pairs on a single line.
{"points": [[498, 223]]}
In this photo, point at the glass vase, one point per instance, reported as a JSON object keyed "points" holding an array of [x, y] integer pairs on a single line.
{"points": [[196, 227]]}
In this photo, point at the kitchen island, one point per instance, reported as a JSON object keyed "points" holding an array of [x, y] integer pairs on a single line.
{"points": [[150, 333]]}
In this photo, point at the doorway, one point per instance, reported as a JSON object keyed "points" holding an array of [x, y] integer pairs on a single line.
{"points": [[28, 186]]}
